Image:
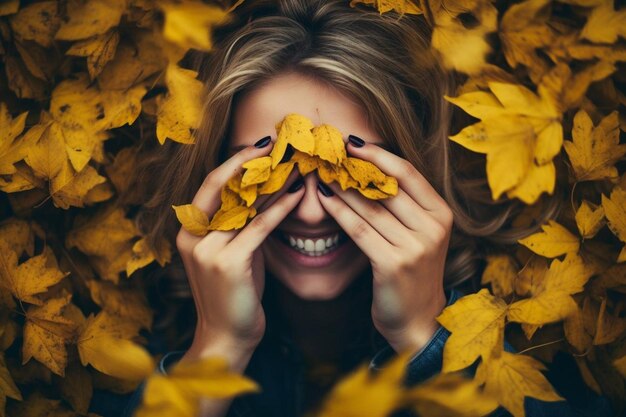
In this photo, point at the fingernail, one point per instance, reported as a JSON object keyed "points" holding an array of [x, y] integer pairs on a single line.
{"points": [[356, 141], [325, 189], [261, 143], [295, 186]]}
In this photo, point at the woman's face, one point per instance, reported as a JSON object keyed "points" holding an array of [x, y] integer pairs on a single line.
{"points": [[310, 277]]}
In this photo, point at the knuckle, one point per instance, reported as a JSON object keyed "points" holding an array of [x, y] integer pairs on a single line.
{"points": [[360, 230], [259, 223], [407, 170]]}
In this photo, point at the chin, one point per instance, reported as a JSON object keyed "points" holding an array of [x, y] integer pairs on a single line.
{"points": [[315, 287]]}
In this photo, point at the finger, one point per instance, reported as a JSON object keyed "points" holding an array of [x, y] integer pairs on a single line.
{"points": [[409, 178], [377, 215], [253, 234], [208, 197], [360, 231], [408, 212], [270, 199]]}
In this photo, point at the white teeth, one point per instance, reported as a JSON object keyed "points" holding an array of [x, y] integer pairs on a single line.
{"points": [[314, 247]]}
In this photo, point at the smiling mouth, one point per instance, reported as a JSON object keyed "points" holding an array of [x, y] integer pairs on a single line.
{"points": [[313, 246]]}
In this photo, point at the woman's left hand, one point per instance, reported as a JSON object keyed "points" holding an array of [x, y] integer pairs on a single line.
{"points": [[406, 239]]}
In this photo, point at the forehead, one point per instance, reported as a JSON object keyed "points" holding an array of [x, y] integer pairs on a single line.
{"points": [[257, 112]]}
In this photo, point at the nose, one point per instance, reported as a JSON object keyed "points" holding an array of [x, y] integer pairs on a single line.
{"points": [[310, 210]]}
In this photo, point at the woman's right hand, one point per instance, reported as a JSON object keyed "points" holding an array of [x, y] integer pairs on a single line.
{"points": [[226, 270]]}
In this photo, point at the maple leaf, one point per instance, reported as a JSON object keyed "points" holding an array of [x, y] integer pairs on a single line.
{"points": [[615, 212], [501, 272], [179, 112], [179, 392], [144, 255], [99, 51], [77, 387], [329, 144], [555, 240], [103, 343], [278, 177], [19, 236], [130, 304], [604, 24], [594, 151], [511, 377], [608, 326], [29, 278], [46, 332], [11, 151], [363, 393], [579, 327], [551, 299], [194, 220], [7, 386], [190, 24], [467, 343], [90, 18], [589, 219], [450, 394], [258, 170]]}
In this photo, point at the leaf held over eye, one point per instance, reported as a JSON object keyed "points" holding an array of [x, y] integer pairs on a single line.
{"points": [[315, 148]]}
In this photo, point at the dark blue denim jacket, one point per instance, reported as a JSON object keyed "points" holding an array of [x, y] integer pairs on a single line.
{"points": [[277, 366]]}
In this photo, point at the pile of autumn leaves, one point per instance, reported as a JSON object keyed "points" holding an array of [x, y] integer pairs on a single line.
{"points": [[81, 73]]}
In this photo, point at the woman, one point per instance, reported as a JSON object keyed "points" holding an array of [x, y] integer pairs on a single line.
{"points": [[266, 297]]}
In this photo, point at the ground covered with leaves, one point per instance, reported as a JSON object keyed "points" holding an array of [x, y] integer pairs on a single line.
{"points": [[84, 83]]}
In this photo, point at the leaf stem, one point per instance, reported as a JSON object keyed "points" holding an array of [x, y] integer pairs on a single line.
{"points": [[541, 345]]}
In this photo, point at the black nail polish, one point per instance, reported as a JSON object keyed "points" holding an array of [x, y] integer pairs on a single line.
{"points": [[356, 141], [295, 186], [261, 143], [325, 189]]}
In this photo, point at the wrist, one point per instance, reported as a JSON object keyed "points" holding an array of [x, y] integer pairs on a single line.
{"points": [[236, 354]]}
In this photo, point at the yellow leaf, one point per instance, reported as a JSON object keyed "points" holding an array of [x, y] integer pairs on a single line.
{"points": [[539, 179], [99, 51], [144, 255], [294, 130], [306, 163], [127, 303], [102, 344], [451, 395], [234, 218], [77, 387], [77, 104], [383, 6], [278, 177], [551, 301], [9, 7], [615, 212], [190, 24], [594, 151], [363, 172], [179, 113], [620, 364], [45, 334], [511, 377], [501, 272], [178, 393], [194, 220], [464, 49], [11, 151], [365, 394], [19, 236], [29, 278], [87, 18], [257, 171], [604, 24], [555, 240], [608, 327], [76, 191], [99, 234], [329, 144], [37, 22], [468, 342], [7, 386], [576, 333], [589, 219]]}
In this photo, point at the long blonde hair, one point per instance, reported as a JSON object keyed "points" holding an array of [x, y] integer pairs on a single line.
{"points": [[383, 61]]}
